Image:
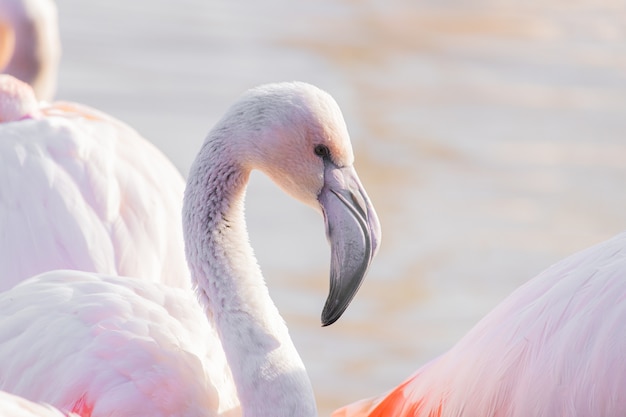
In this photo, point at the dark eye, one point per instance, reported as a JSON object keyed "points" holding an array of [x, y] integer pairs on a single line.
{"points": [[322, 150]]}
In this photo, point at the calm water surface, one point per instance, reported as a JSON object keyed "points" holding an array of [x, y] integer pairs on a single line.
{"points": [[490, 135]]}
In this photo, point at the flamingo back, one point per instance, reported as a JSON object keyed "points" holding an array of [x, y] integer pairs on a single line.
{"points": [[81, 190], [554, 347]]}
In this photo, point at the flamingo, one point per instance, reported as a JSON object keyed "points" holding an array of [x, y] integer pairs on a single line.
{"points": [[82, 190], [100, 345], [30, 46], [555, 347], [14, 406]]}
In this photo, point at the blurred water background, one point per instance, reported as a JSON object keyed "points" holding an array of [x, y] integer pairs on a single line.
{"points": [[490, 135]]}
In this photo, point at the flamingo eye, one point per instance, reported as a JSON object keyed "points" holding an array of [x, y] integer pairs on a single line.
{"points": [[322, 150]]}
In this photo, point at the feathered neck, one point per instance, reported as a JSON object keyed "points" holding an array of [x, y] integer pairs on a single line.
{"points": [[268, 372], [35, 44]]}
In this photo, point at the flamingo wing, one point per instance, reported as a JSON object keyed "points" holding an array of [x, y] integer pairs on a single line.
{"points": [[555, 346], [101, 345]]}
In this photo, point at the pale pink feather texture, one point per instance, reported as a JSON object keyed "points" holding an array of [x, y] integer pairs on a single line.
{"points": [[17, 100], [82, 190], [14, 406], [555, 347], [122, 347]]}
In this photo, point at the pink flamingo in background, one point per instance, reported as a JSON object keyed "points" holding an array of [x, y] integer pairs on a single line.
{"points": [[115, 346], [555, 347], [82, 190], [30, 47]]}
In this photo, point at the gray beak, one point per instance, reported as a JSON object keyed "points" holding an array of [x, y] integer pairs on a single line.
{"points": [[353, 230]]}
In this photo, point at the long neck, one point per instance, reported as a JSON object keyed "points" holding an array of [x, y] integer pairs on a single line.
{"points": [[36, 49], [269, 374]]}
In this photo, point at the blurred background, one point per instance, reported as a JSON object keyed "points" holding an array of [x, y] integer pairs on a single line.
{"points": [[490, 135]]}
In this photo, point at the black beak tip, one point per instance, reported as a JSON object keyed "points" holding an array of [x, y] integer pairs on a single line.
{"points": [[332, 313], [327, 321]]}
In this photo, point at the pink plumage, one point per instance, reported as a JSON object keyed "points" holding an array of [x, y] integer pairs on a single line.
{"points": [[121, 345], [82, 190], [15, 406], [17, 100], [555, 347]]}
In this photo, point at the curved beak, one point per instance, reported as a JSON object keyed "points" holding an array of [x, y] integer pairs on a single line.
{"points": [[353, 230]]}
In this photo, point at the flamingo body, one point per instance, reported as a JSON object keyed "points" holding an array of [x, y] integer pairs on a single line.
{"points": [[554, 347], [120, 344], [82, 190]]}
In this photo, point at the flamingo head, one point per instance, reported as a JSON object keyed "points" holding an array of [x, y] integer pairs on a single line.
{"points": [[301, 142]]}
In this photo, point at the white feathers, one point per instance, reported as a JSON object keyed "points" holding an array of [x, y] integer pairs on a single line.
{"points": [[15, 406], [81, 190], [17, 100], [116, 340]]}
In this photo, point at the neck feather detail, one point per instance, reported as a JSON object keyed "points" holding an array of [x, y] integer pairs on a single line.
{"points": [[268, 372]]}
